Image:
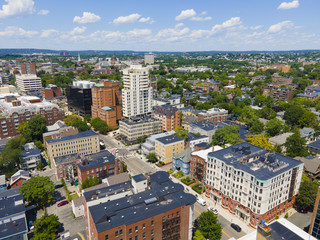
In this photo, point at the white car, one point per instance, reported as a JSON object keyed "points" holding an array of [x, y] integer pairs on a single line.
{"points": [[201, 201], [212, 209]]}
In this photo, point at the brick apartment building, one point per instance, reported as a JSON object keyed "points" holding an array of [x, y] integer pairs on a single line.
{"points": [[106, 102], [51, 91], [214, 115], [17, 109], [205, 87], [170, 117], [162, 211], [278, 93], [100, 165], [28, 68], [252, 183]]}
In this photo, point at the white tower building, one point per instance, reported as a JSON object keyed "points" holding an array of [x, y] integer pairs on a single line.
{"points": [[137, 93]]}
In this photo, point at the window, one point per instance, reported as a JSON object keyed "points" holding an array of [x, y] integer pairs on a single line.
{"points": [[136, 238], [117, 233], [106, 237], [151, 222], [144, 235], [178, 214], [152, 231], [120, 231], [144, 226], [136, 228], [130, 231], [163, 219]]}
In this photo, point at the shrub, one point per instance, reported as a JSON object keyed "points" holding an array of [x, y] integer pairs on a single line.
{"points": [[187, 181], [198, 188], [161, 163], [286, 216], [179, 174]]}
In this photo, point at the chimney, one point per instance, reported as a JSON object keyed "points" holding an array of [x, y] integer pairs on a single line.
{"points": [[14, 223]]}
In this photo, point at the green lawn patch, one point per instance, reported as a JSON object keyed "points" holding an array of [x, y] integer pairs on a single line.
{"points": [[187, 181], [198, 188]]}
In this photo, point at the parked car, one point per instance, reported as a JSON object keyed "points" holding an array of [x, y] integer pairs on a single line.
{"points": [[236, 227], [58, 186], [62, 203], [212, 209], [305, 209], [201, 201]]}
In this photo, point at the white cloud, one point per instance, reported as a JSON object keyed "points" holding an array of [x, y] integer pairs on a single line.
{"points": [[289, 5], [256, 27], [17, 8], [201, 18], [146, 20], [232, 22], [179, 25], [127, 19], [48, 33], [12, 31], [87, 17], [280, 26], [78, 30], [173, 34], [185, 14], [43, 12], [139, 32]]}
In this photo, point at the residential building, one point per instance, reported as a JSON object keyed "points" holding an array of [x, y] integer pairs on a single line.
{"points": [[278, 229], [311, 166], [7, 89], [149, 145], [192, 140], [314, 147], [155, 213], [280, 67], [280, 139], [278, 93], [204, 87], [214, 115], [17, 109], [66, 166], [169, 116], [30, 156], [309, 134], [181, 161], [314, 228], [106, 102], [131, 129], [202, 146], [77, 206], [13, 222], [137, 93], [253, 183], [5, 78], [51, 91], [3, 183], [28, 82], [206, 128], [100, 165], [19, 178], [28, 68], [82, 143], [198, 165], [79, 97], [62, 131], [166, 147], [148, 58]]}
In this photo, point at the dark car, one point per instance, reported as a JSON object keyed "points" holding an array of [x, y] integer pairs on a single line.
{"points": [[236, 227], [63, 203], [58, 186], [305, 209]]}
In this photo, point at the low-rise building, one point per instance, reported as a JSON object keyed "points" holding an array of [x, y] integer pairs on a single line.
{"points": [[169, 116], [3, 183], [100, 165], [51, 91], [163, 211], [214, 115], [77, 206], [278, 93], [309, 134], [82, 143], [30, 156], [192, 140], [314, 147], [181, 161], [28, 82], [13, 221], [206, 128], [149, 145], [19, 178], [168, 146], [280, 139], [131, 129], [253, 183], [66, 166], [311, 166]]}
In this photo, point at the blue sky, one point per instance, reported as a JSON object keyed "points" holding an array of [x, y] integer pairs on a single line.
{"points": [[176, 25]]}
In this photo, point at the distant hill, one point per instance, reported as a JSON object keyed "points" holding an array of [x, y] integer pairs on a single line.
{"points": [[104, 52]]}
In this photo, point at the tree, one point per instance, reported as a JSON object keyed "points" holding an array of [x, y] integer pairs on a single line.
{"points": [[260, 141], [87, 118], [295, 146], [198, 236], [46, 227], [142, 139], [255, 126], [70, 120], [34, 129], [307, 193], [100, 125], [308, 119], [274, 127], [293, 114], [180, 132], [227, 135], [152, 157], [89, 182], [277, 148], [207, 223], [267, 113], [38, 190], [81, 126]]}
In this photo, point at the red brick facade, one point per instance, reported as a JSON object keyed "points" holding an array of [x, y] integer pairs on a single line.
{"points": [[198, 168], [52, 92]]}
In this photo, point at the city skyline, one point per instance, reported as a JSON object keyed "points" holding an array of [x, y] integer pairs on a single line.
{"points": [[160, 26]]}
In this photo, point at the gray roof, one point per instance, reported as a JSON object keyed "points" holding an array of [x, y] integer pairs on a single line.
{"points": [[78, 201], [2, 180], [185, 155], [267, 165], [163, 196], [84, 134], [67, 158], [7, 203], [139, 178], [169, 139], [280, 139], [193, 137], [207, 126], [203, 145], [280, 231], [8, 229], [311, 163], [96, 159], [30, 150], [306, 131], [315, 145], [119, 178]]}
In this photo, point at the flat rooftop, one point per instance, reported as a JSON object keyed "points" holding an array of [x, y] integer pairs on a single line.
{"points": [[169, 139], [84, 134], [96, 159]]}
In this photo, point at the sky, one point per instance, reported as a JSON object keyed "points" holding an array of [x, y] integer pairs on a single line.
{"points": [[163, 25]]}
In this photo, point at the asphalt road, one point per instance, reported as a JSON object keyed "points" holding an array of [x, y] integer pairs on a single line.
{"points": [[227, 231]]}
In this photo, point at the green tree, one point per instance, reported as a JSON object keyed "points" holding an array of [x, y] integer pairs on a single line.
{"points": [[260, 140], [46, 227], [180, 132], [227, 135], [87, 118], [277, 148], [198, 236], [274, 127], [70, 120], [100, 125], [307, 193], [36, 127], [38, 190], [293, 114], [255, 126], [142, 139], [81, 126], [308, 119], [267, 113], [295, 146], [152, 157], [207, 223], [89, 182]]}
